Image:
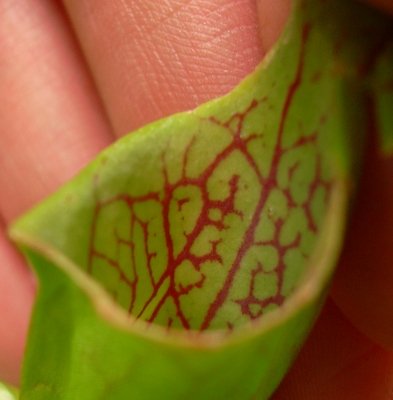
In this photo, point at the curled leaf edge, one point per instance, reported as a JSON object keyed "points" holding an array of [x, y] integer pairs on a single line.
{"points": [[318, 271]]}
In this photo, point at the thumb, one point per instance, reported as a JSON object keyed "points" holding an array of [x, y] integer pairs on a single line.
{"points": [[272, 16], [173, 56]]}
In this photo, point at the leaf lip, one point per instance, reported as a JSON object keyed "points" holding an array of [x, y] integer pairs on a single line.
{"points": [[318, 269], [316, 276]]}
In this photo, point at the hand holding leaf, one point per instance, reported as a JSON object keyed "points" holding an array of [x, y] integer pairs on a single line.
{"points": [[233, 135]]}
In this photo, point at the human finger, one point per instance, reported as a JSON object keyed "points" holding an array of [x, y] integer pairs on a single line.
{"points": [[151, 59], [16, 298], [363, 284], [51, 122], [338, 362]]}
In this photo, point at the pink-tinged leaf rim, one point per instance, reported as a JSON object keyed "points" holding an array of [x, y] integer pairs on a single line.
{"points": [[312, 285]]}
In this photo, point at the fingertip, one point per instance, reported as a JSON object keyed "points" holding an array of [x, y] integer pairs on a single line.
{"points": [[338, 362], [156, 59], [272, 17], [17, 290], [363, 284], [51, 120]]}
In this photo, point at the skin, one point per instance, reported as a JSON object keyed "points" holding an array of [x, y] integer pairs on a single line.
{"points": [[67, 94]]}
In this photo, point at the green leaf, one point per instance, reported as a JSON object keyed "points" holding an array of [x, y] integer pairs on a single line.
{"points": [[190, 259]]}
